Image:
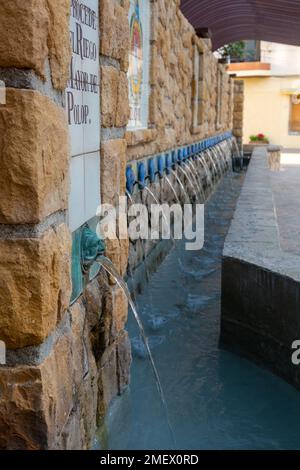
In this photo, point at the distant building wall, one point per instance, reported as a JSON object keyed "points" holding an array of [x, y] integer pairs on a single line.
{"points": [[268, 107], [284, 59]]}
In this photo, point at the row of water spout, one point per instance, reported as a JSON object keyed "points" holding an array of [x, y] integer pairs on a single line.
{"points": [[195, 175]]}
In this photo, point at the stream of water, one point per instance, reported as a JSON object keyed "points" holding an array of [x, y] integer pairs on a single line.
{"points": [[216, 400]]}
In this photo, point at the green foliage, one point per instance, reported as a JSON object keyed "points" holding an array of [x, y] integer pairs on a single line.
{"points": [[259, 138], [234, 50]]}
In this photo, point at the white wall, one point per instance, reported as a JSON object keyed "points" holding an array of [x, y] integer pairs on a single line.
{"points": [[284, 59]]}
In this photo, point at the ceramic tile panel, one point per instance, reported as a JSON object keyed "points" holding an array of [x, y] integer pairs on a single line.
{"points": [[139, 60]]}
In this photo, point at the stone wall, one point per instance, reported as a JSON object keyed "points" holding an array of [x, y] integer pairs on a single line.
{"points": [[173, 88], [238, 112], [65, 364], [35, 245]]}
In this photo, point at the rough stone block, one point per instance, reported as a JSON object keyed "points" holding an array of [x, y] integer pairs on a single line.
{"points": [[113, 161], [240, 96], [53, 405], [114, 97], [115, 30], [24, 29], [120, 311], [59, 43], [35, 286], [31, 31], [238, 107], [114, 314], [82, 422], [123, 361], [138, 137], [98, 301], [117, 251], [108, 380], [238, 132], [93, 302], [34, 158], [122, 111], [109, 95], [35, 402], [238, 116]]}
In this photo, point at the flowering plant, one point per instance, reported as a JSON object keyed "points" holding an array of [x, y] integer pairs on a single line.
{"points": [[259, 138]]}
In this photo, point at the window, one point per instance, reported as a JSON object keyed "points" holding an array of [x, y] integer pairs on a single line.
{"points": [[198, 88], [139, 59], [252, 52], [295, 115]]}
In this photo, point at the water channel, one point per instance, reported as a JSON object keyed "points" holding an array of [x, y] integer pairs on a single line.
{"points": [[216, 400]]}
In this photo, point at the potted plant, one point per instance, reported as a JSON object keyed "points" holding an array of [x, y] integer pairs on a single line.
{"points": [[259, 139], [233, 52]]}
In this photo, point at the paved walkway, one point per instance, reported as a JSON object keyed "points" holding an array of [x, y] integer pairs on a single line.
{"points": [[266, 226]]}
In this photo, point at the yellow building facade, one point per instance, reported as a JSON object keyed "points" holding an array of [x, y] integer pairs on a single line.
{"points": [[269, 109], [272, 92]]}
